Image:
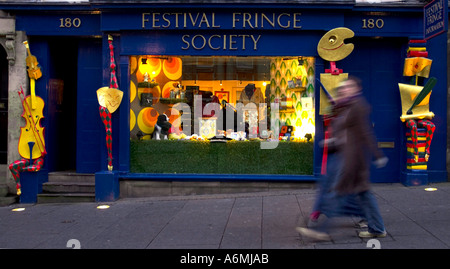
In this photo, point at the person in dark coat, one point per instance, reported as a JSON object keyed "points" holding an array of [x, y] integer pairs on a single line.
{"points": [[354, 140]]}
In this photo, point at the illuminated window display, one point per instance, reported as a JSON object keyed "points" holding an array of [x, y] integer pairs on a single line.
{"points": [[196, 102], [163, 85]]}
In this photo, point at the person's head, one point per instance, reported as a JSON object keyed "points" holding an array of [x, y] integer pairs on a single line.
{"points": [[349, 87]]}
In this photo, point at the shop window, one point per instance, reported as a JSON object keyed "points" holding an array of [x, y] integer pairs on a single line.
{"points": [[226, 100]]}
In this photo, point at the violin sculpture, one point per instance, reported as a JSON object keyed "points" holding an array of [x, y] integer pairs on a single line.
{"points": [[31, 145]]}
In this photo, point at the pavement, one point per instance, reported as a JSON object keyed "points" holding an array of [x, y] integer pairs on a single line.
{"points": [[414, 219]]}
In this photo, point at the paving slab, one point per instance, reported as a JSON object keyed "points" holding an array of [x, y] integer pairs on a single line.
{"points": [[199, 224], [243, 230]]}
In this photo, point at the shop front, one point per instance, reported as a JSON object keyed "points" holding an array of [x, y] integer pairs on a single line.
{"points": [[220, 93]]}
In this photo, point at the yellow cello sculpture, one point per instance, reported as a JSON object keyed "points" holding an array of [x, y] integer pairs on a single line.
{"points": [[31, 142]]}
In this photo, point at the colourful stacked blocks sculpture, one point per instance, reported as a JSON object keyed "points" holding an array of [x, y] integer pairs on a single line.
{"points": [[421, 162]]}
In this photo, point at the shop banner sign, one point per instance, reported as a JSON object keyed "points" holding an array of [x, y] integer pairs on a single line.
{"points": [[435, 18]]}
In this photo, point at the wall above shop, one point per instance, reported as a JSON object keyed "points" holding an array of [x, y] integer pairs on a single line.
{"points": [[278, 2]]}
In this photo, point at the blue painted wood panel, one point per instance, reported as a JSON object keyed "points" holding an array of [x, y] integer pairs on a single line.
{"points": [[89, 124]]}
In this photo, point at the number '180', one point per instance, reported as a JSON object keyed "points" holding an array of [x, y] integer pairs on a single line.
{"points": [[372, 23]]}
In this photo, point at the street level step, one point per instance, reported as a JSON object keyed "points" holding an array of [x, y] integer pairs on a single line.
{"points": [[68, 187], [65, 197], [70, 177], [7, 200]]}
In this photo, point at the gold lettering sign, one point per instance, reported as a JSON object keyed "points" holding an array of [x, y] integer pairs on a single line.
{"points": [[217, 42], [202, 20], [157, 20]]}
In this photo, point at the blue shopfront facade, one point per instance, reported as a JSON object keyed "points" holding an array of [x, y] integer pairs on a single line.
{"points": [[71, 44]]}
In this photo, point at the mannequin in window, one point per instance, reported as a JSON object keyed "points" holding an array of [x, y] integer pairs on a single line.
{"points": [[209, 97], [251, 94]]}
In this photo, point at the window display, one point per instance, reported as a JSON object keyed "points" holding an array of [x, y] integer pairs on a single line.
{"points": [[221, 99], [248, 85]]}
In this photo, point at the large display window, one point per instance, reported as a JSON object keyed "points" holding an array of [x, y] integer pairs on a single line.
{"points": [[211, 114]]}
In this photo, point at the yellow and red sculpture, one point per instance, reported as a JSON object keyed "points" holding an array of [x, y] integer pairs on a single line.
{"points": [[415, 105], [32, 141], [332, 48], [109, 99]]}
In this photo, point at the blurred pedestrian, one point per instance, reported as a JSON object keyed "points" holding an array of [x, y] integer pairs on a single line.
{"points": [[325, 194], [353, 138]]}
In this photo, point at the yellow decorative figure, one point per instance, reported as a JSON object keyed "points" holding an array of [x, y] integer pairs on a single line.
{"points": [[331, 46], [417, 66], [109, 98], [408, 94], [330, 82], [415, 106]]}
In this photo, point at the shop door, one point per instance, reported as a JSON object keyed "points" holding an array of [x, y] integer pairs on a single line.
{"points": [[89, 125], [3, 106], [61, 103], [378, 63]]}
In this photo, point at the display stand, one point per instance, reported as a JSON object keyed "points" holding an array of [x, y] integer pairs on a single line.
{"points": [[107, 188], [412, 177], [31, 185]]}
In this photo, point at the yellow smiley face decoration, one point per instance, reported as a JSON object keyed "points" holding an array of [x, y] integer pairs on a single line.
{"points": [[331, 46]]}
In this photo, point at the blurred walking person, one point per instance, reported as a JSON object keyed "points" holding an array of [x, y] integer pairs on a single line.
{"points": [[353, 138]]}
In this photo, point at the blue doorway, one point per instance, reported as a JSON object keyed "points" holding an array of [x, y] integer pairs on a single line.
{"points": [[378, 62], [90, 131]]}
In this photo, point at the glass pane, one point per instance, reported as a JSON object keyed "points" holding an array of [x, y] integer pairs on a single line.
{"points": [[210, 114]]}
